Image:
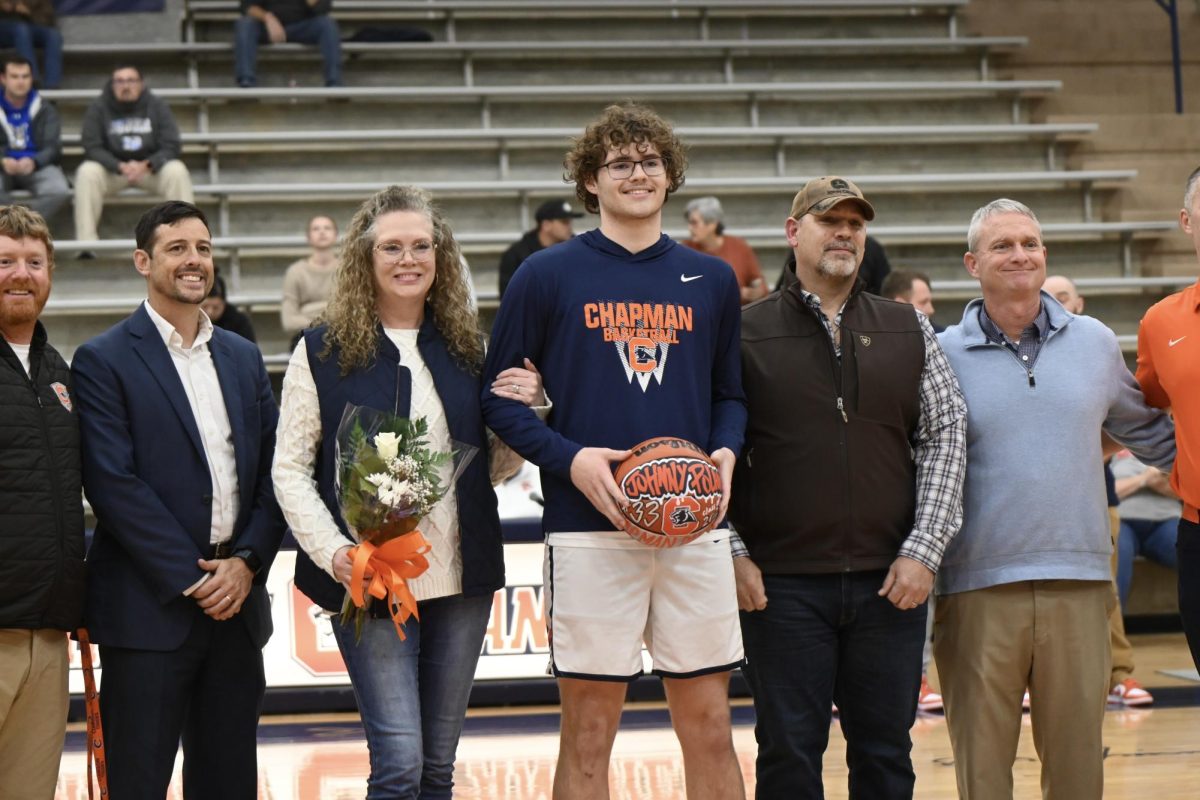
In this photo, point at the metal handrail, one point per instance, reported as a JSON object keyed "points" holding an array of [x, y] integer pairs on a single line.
{"points": [[1172, 10]]}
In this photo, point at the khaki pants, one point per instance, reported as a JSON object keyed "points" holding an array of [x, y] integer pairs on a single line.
{"points": [[1051, 636], [93, 183], [1122, 650], [33, 711]]}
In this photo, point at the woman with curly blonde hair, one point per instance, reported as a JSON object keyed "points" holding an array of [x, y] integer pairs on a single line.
{"points": [[400, 334]]}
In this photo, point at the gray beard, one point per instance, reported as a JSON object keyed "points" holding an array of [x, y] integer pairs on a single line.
{"points": [[834, 267]]}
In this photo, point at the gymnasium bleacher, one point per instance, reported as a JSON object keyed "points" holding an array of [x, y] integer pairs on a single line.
{"points": [[894, 93], [907, 97]]}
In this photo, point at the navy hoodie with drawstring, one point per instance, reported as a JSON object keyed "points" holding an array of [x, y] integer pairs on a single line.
{"points": [[630, 346]]}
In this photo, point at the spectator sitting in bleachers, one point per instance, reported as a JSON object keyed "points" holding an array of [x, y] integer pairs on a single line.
{"points": [[308, 282], [1149, 518], [706, 223], [27, 24], [553, 219], [32, 139], [129, 138], [225, 314], [278, 21]]}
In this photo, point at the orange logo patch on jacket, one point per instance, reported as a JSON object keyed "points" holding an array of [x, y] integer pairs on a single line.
{"points": [[64, 397]]}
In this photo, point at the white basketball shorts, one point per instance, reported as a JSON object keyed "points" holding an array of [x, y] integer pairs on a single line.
{"points": [[606, 594]]}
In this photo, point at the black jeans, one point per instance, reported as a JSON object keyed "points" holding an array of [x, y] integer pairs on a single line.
{"points": [[1187, 547], [826, 639]]}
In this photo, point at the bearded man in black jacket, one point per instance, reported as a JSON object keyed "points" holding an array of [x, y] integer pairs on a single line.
{"points": [[41, 516]]}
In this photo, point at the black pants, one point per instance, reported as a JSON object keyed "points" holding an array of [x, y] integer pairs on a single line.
{"points": [[209, 692], [1187, 546], [826, 639]]}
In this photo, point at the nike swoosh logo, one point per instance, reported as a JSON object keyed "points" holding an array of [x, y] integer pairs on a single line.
{"points": [[689, 279], [1174, 342]]}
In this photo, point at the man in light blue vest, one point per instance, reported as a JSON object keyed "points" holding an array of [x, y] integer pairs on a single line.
{"points": [[1024, 589]]}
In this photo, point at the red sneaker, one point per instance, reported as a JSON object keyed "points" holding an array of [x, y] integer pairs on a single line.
{"points": [[927, 698]]}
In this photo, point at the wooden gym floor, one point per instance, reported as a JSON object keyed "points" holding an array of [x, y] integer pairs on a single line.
{"points": [[509, 754]]}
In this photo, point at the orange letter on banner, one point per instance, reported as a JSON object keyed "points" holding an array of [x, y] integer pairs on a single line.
{"points": [[305, 639], [493, 639], [528, 621]]}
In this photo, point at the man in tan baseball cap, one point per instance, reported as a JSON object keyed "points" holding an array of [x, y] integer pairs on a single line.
{"points": [[838, 383], [821, 194]]}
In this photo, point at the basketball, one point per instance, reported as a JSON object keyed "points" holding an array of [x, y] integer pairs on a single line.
{"points": [[674, 492]]}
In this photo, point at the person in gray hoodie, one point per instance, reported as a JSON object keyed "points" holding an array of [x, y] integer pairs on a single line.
{"points": [[129, 139], [1024, 589]]}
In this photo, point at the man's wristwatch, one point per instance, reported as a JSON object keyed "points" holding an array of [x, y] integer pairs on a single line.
{"points": [[247, 555]]}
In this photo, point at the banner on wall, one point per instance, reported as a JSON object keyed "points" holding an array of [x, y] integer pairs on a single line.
{"points": [[71, 8], [302, 652]]}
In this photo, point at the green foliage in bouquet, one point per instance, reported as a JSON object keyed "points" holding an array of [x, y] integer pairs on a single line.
{"points": [[390, 480]]}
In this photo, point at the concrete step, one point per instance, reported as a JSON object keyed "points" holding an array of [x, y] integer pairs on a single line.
{"points": [[563, 19], [543, 62], [684, 101]]}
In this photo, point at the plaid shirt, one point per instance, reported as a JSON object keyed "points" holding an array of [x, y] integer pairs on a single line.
{"points": [[1032, 337], [939, 451]]}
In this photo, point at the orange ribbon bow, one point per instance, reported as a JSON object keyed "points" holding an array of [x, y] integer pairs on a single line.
{"points": [[392, 565]]}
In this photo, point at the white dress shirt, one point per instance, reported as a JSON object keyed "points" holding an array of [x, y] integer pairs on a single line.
{"points": [[199, 377]]}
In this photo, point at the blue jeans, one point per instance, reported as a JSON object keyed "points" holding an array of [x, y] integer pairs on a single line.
{"points": [[1154, 539], [412, 694], [24, 37], [826, 639], [320, 30]]}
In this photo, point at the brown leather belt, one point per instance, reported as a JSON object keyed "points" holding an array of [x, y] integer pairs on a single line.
{"points": [[222, 550]]}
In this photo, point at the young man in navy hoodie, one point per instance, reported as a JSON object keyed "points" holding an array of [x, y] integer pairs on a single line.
{"points": [[636, 337]]}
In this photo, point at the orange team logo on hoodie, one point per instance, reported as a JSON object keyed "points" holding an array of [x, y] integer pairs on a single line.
{"points": [[642, 334]]}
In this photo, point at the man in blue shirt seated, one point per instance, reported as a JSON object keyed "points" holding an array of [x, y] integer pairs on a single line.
{"points": [[32, 142]]}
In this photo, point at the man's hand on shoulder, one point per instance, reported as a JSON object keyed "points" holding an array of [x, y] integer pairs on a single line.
{"points": [[591, 472], [221, 596], [907, 584], [751, 594]]}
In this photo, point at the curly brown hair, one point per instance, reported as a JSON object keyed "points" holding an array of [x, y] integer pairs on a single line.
{"points": [[18, 222], [351, 316], [619, 127]]}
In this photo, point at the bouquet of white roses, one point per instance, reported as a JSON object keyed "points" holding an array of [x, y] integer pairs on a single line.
{"points": [[388, 479]]}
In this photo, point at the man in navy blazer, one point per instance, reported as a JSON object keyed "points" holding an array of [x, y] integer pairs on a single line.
{"points": [[178, 430]]}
